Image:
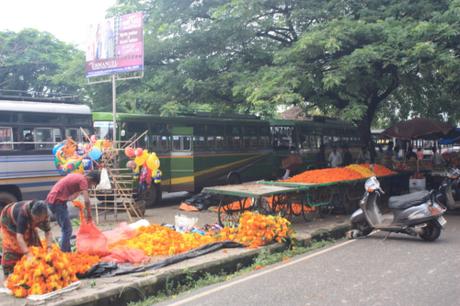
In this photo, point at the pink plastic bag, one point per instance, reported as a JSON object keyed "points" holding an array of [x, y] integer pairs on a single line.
{"points": [[125, 255], [121, 232], [91, 240]]}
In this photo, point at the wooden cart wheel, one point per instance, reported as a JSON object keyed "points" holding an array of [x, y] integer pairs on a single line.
{"points": [[229, 212], [280, 205], [310, 213]]}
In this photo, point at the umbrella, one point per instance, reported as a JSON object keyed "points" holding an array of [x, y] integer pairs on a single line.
{"points": [[418, 128]]}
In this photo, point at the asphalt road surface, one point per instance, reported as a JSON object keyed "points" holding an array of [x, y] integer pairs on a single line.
{"points": [[400, 270]]}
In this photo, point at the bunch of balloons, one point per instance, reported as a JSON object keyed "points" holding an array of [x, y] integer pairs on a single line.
{"points": [[70, 157], [147, 164], [66, 158]]}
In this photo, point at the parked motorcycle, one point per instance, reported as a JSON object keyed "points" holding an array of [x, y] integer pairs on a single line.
{"points": [[450, 191], [415, 214]]}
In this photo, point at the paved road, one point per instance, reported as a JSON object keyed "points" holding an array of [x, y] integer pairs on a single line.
{"points": [[398, 271]]}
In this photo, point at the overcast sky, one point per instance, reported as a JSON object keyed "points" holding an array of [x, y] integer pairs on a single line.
{"points": [[68, 20]]}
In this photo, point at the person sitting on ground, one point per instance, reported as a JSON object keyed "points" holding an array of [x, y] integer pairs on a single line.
{"points": [[19, 223], [67, 189]]}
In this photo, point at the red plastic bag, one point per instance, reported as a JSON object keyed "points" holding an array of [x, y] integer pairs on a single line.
{"points": [[125, 255], [121, 232], [91, 240]]}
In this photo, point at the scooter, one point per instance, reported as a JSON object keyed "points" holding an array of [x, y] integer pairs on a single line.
{"points": [[450, 191], [415, 214]]}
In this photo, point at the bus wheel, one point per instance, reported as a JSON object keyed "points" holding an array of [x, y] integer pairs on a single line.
{"points": [[152, 196], [233, 178], [6, 198]]}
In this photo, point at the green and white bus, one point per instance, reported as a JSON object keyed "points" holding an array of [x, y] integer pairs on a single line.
{"points": [[198, 150]]}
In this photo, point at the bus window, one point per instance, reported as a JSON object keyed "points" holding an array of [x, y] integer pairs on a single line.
{"points": [[211, 140], [164, 143], [159, 143], [187, 143], [199, 143], [181, 143], [220, 144], [57, 135], [74, 133], [43, 138], [6, 135], [103, 129], [234, 140], [176, 143]]}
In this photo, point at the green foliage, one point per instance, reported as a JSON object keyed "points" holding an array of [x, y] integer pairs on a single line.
{"points": [[367, 61], [36, 61]]}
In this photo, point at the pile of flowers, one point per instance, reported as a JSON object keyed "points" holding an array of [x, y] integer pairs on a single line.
{"points": [[255, 230], [46, 271], [157, 240], [82, 262], [348, 173], [327, 175]]}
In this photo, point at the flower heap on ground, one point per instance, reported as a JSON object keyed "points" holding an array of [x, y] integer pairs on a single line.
{"points": [[46, 271], [253, 230], [349, 173], [157, 240]]}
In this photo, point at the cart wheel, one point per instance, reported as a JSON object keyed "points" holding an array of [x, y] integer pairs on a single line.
{"points": [[310, 213], [229, 214], [280, 205]]}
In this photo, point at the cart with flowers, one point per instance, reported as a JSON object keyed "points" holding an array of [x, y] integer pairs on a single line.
{"points": [[308, 195]]}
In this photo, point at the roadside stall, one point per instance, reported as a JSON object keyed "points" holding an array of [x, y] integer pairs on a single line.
{"points": [[417, 164], [307, 194]]}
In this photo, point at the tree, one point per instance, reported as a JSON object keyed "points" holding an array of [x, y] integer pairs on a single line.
{"points": [[366, 55], [30, 61]]}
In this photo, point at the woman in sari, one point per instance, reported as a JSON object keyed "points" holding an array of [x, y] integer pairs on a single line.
{"points": [[19, 222]]}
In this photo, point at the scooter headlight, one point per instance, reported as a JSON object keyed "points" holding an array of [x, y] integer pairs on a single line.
{"points": [[372, 184]]}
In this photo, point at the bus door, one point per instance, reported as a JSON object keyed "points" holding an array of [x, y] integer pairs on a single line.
{"points": [[182, 176]]}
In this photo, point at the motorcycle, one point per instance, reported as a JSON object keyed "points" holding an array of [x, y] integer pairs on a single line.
{"points": [[450, 192], [415, 214]]}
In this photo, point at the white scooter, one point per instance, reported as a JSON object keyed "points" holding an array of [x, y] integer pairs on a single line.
{"points": [[415, 214]]}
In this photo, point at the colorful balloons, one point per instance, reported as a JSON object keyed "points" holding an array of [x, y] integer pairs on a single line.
{"points": [[141, 159], [129, 152], [153, 163], [57, 147], [95, 153], [138, 152]]}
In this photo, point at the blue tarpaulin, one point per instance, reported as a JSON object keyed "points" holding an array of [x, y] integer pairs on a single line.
{"points": [[451, 138]]}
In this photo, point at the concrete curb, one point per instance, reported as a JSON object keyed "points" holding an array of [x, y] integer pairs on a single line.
{"points": [[151, 284]]}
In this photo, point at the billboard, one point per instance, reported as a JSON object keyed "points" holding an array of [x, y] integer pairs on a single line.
{"points": [[115, 46]]}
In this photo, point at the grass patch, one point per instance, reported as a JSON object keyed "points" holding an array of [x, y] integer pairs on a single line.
{"points": [[192, 282]]}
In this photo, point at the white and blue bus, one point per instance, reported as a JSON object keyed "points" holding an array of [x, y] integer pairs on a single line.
{"points": [[29, 128]]}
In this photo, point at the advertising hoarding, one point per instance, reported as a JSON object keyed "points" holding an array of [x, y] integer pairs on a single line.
{"points": [[115, 46]]}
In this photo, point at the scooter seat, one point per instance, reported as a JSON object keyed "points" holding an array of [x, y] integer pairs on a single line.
{"points": [[408, 200]]}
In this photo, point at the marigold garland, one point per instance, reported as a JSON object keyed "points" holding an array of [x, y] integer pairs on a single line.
{"points": [[46, 271], [255, 230], [349, 173], [82, 262]]}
